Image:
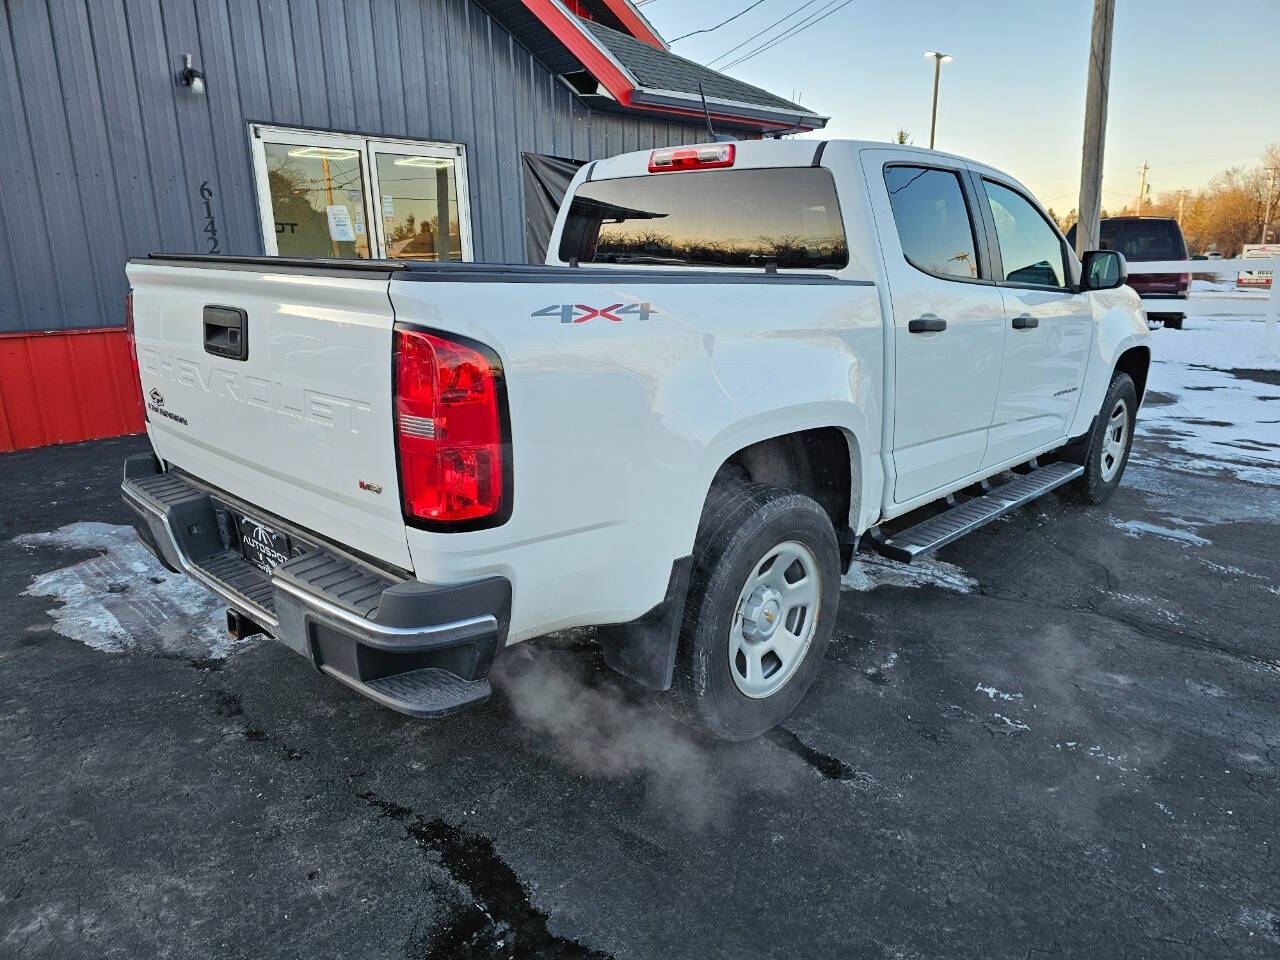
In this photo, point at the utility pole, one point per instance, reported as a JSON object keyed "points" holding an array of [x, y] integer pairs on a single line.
{"points": [[1266, 217], [1182, 197], [1095, 126], [1142, 186]]}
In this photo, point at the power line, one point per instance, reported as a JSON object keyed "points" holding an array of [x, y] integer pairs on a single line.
{"points": [[797, 29], [809, 3], [721, 23], [816, 17]]}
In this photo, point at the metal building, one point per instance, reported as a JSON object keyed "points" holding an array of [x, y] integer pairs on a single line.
{"points": [[367, 128]]}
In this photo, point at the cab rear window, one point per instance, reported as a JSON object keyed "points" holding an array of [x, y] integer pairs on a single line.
{"points": [[709, 218]]}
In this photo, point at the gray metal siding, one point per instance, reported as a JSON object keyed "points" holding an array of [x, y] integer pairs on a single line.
{"points": [[104, 153]]}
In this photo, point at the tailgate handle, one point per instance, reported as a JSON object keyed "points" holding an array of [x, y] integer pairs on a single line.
{"points": [[226, 332]]}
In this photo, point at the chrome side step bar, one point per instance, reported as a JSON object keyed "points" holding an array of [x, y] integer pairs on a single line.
{"points": [[962, 518]]}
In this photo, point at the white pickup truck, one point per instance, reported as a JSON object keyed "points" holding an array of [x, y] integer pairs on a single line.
{"points": [[740, 360]]}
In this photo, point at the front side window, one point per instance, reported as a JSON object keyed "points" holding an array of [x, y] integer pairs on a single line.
{"points": [[933, 220], [709, 218], [1029, 247]]}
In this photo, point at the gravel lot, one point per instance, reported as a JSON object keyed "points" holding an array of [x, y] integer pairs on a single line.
{"points": [[1059, 739]]}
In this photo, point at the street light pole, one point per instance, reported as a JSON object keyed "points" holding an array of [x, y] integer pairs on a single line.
{"points": [[938, 60]]}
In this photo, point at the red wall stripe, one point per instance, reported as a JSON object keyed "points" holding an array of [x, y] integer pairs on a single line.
{"points": [[66, 386]]}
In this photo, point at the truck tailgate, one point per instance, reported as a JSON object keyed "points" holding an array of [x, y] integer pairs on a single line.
{"points": [[301, 426]]}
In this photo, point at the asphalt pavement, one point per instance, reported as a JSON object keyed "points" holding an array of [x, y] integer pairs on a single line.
{"points": [[1060, 739]]}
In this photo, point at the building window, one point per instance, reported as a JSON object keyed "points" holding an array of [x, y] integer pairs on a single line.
{"points": [[338, 195]]}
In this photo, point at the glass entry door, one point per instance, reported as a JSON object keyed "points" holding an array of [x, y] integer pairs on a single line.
{"points": [[344, 196]]}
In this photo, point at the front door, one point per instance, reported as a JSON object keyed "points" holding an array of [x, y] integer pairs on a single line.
{"points": [[1048, 326], [948, 321]]}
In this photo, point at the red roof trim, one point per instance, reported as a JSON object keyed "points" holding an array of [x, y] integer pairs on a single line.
{"points": [[614, 78], [635, 24], [567, 31]]}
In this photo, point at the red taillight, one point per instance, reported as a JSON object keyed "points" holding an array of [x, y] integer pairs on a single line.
{"points": [[133, 347], [692, 158], [449, 429]]}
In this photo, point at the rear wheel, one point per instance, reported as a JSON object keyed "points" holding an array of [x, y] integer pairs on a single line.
{"points": [[1109, 443], [761, 609], [1173, 321]]}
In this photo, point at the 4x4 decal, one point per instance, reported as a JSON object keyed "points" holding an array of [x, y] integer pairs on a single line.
{"points": [[581, 313]]}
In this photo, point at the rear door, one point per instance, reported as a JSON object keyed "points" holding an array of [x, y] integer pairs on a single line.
{"points": [[291, 413], [948, 319], [1047, 328]]}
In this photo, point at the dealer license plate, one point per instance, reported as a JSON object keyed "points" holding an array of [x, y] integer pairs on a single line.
{"points": [[261, 545]]}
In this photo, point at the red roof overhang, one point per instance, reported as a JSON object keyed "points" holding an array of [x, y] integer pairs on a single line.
{"points": [[622, 86], [636, 25], [607, 71]]}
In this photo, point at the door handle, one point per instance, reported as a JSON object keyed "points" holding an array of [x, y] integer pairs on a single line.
{"points": [[1025, 323], [226, 332], [927, 324]]}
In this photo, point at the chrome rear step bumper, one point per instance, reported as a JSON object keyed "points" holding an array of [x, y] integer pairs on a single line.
{"points": [[421, 649]]}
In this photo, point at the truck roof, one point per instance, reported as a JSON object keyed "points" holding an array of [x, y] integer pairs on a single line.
{"points": [[777, 153], [762, 153]]}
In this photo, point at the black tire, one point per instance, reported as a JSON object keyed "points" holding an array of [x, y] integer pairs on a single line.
{"points": [[1101, 476], [740, 523], [1173, 321]]}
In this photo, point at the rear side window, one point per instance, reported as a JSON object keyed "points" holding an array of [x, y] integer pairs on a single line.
{"points": [[1029, 248], [933, 220], [709, 218]]}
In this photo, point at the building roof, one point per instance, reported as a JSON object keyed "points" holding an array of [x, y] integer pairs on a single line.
{"points": [[633, 71], [662, 70]]}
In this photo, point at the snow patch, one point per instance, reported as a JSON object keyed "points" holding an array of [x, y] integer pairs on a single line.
{"points": [[992, 693], [1007, 725], [123, 600], [1215, 422], [868, 571], [1096, 752], [1136, 528]]}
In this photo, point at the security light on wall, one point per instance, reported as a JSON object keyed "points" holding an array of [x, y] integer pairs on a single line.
{"points": [[190, 76]]}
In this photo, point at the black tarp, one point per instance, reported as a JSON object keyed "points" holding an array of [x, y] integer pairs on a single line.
{"points": [[546, 181]]}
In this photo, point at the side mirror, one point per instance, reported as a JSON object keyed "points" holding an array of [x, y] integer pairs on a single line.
{"points": [[1104, 270]]}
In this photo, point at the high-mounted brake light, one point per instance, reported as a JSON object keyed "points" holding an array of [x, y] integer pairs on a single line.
{"points": [[692, 158], [450, 426]]}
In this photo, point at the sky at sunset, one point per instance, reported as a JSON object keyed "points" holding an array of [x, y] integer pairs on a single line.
{"points": [[1195, 88]]}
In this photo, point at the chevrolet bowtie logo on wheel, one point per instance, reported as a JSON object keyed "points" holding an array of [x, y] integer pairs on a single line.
{"points": [[581, 313]]}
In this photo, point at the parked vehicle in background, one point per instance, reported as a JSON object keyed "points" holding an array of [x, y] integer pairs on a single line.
{"points": [[1145, 239], [738, 360], [1257, 279]]}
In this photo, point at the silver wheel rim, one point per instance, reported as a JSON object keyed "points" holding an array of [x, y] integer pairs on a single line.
{"points": [[1115, 441], [774, 620]]}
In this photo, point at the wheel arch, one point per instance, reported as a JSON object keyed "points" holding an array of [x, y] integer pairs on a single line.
{"points": [[1136, 362]]}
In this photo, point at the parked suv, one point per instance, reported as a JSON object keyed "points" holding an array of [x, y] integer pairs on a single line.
{"points": [[1149, 238]]}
